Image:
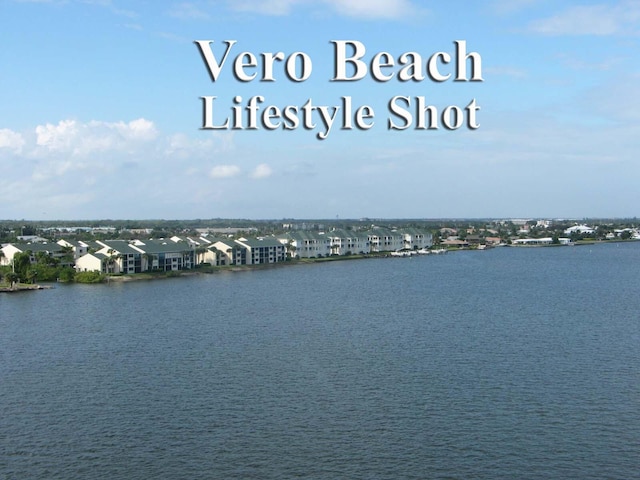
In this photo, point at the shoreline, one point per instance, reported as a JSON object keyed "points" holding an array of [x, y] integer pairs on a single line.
{"points": [[25, 288], [211, 270]]}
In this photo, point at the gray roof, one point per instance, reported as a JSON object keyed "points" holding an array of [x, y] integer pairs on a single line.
{"points": [[164, 246], [261, 242], [352, 234], [38, 247], [120, 246], [302, 235]]}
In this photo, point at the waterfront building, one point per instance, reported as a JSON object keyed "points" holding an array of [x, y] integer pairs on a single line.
{"points": [[120, 257], [92, 262], [79, 248], [166, 255], [349, 242], [262, 250], [229, 252], [415, 239], [541, 241], [306, 244], [382, 239], [11, 249]]}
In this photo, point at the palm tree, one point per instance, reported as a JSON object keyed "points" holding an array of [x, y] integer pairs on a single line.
{"points": [[149, 258], [200, 251], [68, 256], [110, 260], [12, 278], [32, 275], [215, 253]]}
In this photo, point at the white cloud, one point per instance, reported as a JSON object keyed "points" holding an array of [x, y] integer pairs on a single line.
{"points": [[262, 171], [125, 162], [395, 9], [11, 140], [180, 146], [57, 137], [72, 137], [505, 71], [139, 129], [133, 26], [364, 9], [265, 7], [506, 7], [188, 11], [599, 20], [608, 64], [224, 171]]}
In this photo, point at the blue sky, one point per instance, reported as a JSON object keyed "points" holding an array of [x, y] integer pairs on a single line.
{"points": [[101, 111]]}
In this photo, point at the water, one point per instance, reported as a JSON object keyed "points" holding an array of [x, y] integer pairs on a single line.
{"points": [[502, 364]]}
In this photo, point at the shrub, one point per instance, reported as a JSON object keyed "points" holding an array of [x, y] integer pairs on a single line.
{"points": [[89, 277]]}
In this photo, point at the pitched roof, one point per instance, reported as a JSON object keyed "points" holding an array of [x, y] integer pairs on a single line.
{"points": [[120, 246], [38, 247], [164, 246], [260, 242], [306, 235]]}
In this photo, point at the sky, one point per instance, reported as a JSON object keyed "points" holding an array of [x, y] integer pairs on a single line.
{"points": [[140, 109]]}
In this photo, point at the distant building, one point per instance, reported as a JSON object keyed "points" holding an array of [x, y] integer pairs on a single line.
{"points": [[580, 229], [540, 241]]}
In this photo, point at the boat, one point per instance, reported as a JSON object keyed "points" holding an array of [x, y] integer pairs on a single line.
{"points": [[402, 253]]}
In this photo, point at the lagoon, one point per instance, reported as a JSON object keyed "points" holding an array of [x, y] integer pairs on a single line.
{"points": [[505, 363]]}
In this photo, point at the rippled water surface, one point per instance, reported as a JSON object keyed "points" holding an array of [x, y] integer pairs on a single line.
{"points": [[502, 364]]}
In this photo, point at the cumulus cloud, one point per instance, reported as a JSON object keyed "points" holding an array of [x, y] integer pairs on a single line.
{"points": [[598, 19], [224, 171], [76, 138], [261, 171], [11, 140]]}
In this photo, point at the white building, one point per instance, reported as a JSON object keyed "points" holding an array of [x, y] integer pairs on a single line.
{"points": [[262, 250], [305, 244], [349, 242], [581, 229]]}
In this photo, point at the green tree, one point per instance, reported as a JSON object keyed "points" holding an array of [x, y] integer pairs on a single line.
{"points": [[199, 257], [32, 275], [21, 263], [67, 274], [67, 255], [12, 278]]}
